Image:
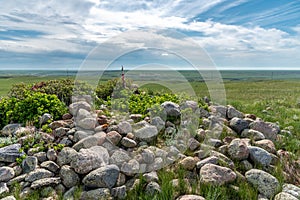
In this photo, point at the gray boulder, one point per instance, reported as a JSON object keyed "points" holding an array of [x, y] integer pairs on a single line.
{"points": [[232, 112], [74, 107], [124, 127], [87, 160], [89, 141], [147, 133], [260, 156], [238, 149], [10, 129], [6, 173], [119, 157], [38, 174], [10, 153], [3, 188], [171, 109], [103, 177], [284, 196], [50, 165], [45, 182], [68, 176], [29, 164], [270, 130], [265, 183], [96, 194], [119, 192], [238, 124], [253, 134], [216, 175], [291, 189], [158, 122], [66, 156]]}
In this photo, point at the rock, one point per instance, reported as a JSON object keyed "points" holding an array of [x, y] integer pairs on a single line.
{"points": [[50, 165], [130, 168], [119, 192], [147, 133], [216, 175], [193, 144], [222, 158], [156, 165], [284, 196], [106, 176], [45, 182], [10, 153], [79, 135], [129, 143], [96, 194], [188, 163], [147, 156], [158, 123], [38, 174], [87, 160], [152, 188], [89, 141], [87, 123], [17, 179], [57, 124], [265, 183], [232, 112], [260, 156], [190, 104], [136, 117], [66, 116], [9, 198], [6, 173], [10, 129], [270, 130], [151, 176], [210, 160], [29, 164], [81, 114], [18, 170], [252, 134], [3, 188], [51, 155], [238, 149], [190, 197], [171, 109], [291, 189], [68, 176], [220, 111], [114, 137], [119, 157], [41, 156], [66, 156], [238, 124], [213, 142], [74, 107], [60, 132], [124, 127], [246, 165], [267, 145]]}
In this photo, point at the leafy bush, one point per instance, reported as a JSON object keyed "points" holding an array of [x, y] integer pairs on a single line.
{"points": [[63, 89], [30, 108]]}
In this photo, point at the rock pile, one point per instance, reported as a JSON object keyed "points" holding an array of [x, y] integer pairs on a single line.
{"points": [[104, 157]]}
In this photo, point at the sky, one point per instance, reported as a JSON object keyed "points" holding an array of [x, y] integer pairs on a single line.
{"points": [[234, 34]]}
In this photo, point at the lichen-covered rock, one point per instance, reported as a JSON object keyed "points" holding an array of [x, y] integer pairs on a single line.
{"points": [[66, 156], [96, 194], [260, 156], [147, 133], [238, 149], [216, 175], [114, 137], [188, 163], [89, 141], [10, 153], [87, 123], [270, 130], [29, 164], [6, 173], [119, 192], [253, 134], [171, 109], [291, 189], [152, 188], [219, 110], [45, 182], [130, 168], [233, 112], [68, 176], [103, 177], [267, 145], [151, 176], [238, 124], [129, 143], [50, 165], [38, 174], [119, 157], [87, 160], [284, 196], [124, 127], [265, 183]]}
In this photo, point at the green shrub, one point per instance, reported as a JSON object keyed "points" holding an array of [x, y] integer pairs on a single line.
{"points": [[30, 108]]}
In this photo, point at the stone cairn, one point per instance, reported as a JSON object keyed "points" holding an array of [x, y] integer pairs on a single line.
{"points": [[106, 157]]}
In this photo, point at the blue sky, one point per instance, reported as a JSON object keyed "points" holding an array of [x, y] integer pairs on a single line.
{"points": [[236, 34]]}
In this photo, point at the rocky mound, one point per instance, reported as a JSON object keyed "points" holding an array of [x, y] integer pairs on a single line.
{"points": [[105, 158]]}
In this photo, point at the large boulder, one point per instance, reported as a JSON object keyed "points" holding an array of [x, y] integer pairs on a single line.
{"points": [[45, 182], [68, 176], [270, 130], [265, 183], [103, 177], [10, 153], [66, 156], [232, 112], [38, 174], [74, 107], [238, 149], [90, 141], [171, 109], [87, 160], [238, 124], [147, 133], [260, 156], [216, 175], [6, 173], [96, 194]]}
